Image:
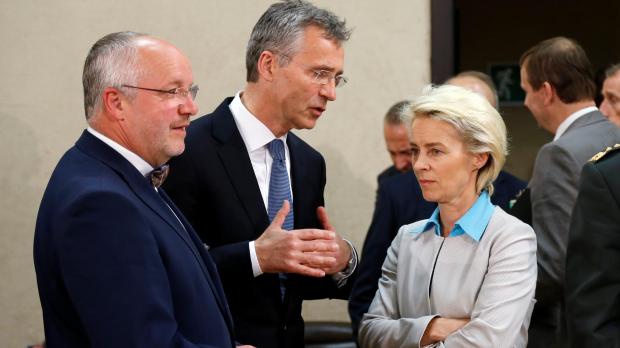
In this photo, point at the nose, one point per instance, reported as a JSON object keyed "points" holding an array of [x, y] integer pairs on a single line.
{"points": [[605, 108], [419, 163], [189, 107], [403, 162], [328, 90]]}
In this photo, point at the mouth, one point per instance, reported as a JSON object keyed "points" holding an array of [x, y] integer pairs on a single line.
{"points": [[317, 111], [424, 182], [181, 127]]}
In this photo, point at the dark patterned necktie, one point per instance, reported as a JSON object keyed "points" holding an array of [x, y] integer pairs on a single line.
{"points": [[279, 190], [158, 175]]}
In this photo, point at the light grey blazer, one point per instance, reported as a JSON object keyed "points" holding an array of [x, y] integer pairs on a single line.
{"points": [[553, 190], [491, 281]]}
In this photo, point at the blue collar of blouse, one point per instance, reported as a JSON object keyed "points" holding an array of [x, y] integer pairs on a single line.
{"points": [[473, 223]]}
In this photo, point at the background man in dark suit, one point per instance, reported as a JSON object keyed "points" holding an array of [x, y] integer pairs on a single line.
{"points": [[556, 76], [593, 256], [400, 202], [117, 264], [224, 182]]}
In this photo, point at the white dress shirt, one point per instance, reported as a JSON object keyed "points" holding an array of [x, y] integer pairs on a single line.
{"points": [[141, 165], [256, 137]]}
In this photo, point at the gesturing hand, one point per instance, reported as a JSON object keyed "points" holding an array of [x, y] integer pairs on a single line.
{"points": [[306, 251]]}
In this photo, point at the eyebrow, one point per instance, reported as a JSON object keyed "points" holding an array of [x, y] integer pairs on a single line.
{"points": [[327, 68], [429, 144]]}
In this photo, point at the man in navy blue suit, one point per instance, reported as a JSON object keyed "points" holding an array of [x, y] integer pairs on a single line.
{"points": [[222, 183], [117, 264], [400, 202]]}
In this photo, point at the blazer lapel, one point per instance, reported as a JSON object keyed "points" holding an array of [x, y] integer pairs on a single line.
{"points": [[234, 157], [298, 173], [207, 264]]}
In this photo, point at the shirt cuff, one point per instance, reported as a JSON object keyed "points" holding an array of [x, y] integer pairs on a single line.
{"points": [[254, 259], [341, 277]]}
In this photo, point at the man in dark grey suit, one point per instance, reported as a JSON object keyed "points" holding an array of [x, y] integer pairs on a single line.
{"points": [[556, 76]]}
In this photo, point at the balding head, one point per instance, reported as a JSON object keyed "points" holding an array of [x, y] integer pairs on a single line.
{"points": [[478, 82]]}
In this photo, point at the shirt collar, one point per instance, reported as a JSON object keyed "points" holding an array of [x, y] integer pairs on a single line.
{"points": [[253, 132], [141, 165], [571, 119], [473, 223]]}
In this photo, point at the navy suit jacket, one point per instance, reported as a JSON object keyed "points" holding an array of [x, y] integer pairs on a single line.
{"points": [[400, 202], [214, 184], [115, 267]]}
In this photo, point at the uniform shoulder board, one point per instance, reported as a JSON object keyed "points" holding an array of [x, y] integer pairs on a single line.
{"points": [[604, 153]]}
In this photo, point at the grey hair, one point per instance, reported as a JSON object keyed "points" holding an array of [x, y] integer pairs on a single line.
{"points": [[111, 62], [479, 125], [398, 114], [280, 27], [612, 70]]}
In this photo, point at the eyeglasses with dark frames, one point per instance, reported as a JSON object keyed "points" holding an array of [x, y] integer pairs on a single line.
{"points": [[180, 91]]}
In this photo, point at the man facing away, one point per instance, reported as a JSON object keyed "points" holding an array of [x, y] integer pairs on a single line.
{"points": [[559, 92], [117, 264], [242, 162]]}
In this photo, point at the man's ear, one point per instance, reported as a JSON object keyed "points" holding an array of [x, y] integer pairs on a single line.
{"points": [[549, 93], [267, 64], [113, 103]]}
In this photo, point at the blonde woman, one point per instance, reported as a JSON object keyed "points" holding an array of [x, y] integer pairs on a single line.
{"points": [[466, 276]]}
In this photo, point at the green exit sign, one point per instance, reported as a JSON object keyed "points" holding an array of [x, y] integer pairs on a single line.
{"points": [[507, 79]]}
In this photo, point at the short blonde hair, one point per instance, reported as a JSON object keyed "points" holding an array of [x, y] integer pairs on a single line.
{"points": [[478, 123]]}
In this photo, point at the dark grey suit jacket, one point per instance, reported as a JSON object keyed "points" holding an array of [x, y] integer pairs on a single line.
{"points": [[553, 187]]}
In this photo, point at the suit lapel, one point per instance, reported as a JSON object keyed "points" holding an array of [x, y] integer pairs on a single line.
{"points": [[208, 265], [298, 173], [234, 157]]}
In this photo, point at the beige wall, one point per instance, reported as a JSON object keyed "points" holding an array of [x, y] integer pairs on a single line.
{"points": [[43, 48]]}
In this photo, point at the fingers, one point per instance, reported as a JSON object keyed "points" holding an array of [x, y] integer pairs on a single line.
{"points": [[321, 214], [312, 265], [312, 234], [278, 220]]}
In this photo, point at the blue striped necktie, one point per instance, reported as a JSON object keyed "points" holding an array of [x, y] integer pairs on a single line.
{"points": [[279, 190], [279, 187]]}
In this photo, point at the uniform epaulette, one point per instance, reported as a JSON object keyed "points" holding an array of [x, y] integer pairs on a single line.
{"points": [[604, 153]]}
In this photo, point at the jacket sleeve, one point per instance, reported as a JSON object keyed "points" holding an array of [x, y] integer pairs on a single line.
{"points": [[383, 325], [506, 298], [553, 193]]}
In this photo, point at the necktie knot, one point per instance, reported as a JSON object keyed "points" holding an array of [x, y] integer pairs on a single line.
{"points": [[158, 175], [276, 149]]}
